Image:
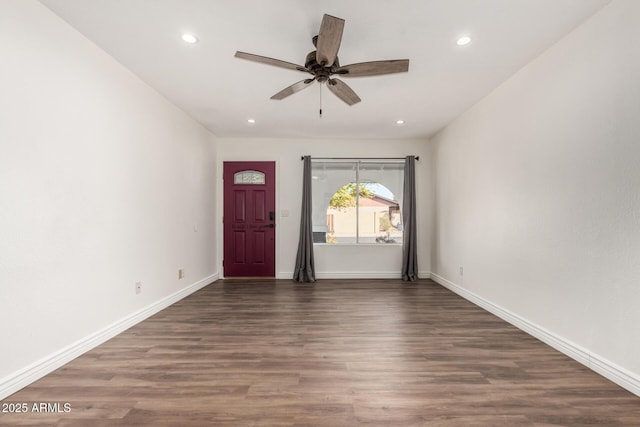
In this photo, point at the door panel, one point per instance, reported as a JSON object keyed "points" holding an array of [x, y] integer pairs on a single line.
{"points": [[239, 252], [259, 206], [240, 206], [249, 220], [259, 245]]}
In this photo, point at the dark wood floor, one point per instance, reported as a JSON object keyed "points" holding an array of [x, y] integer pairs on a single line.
{"points": [[337, 353]]}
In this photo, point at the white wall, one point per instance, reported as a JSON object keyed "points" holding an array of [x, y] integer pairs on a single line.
{"points": [[538, 196], [103, 183], [344, 261]]}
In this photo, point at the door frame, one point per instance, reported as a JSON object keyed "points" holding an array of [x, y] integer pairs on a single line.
{"points": [[220, 210]]}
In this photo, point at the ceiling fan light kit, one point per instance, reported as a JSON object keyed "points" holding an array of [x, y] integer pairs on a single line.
{"points": [[323, 64]]}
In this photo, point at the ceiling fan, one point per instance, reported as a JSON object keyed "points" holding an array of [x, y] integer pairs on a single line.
{"points": [[323, 64]]}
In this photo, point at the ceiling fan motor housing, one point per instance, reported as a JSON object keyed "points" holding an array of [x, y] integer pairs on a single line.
{"points": [[321, 73]]}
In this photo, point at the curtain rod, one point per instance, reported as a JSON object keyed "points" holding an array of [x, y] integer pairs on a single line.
{"points": [[358, 158]]}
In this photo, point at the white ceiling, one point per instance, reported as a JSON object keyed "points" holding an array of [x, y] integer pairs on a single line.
{"points": [[222, 92]]}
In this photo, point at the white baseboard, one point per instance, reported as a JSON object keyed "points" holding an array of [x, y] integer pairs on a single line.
{"points": [[424, 274], [607, 369], [347, 275], [615, 373], [354, 275], [358, 275], [22, 378]]}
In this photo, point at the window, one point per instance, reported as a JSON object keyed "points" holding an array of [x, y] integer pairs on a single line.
{"points": [[357, 201], [248, 177]]}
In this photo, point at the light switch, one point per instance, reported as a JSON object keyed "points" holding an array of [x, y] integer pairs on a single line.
{"points": [[284, 213]]}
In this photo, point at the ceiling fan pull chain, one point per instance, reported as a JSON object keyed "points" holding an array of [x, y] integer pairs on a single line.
{"points": [[320, 85]]}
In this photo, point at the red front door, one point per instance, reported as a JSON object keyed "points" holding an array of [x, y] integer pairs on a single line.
{"points": [[249, 219]]}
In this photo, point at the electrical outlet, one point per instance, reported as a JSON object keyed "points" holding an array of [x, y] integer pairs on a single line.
{"points": [[180, 273], [138, 287], [461, 271]]}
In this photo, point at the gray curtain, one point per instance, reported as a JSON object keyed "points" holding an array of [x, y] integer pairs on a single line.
{"points": [[410, 237], [305, 270]]}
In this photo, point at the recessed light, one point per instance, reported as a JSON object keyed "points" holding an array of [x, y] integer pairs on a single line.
{"points": [[399, 122], [251, 121], [189, 38], [463, 40]]}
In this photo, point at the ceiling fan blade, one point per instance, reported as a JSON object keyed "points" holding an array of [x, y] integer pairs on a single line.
{"points": [[296, 87], [343, 91], [270, 61], [374, 68], [329, 39]]}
